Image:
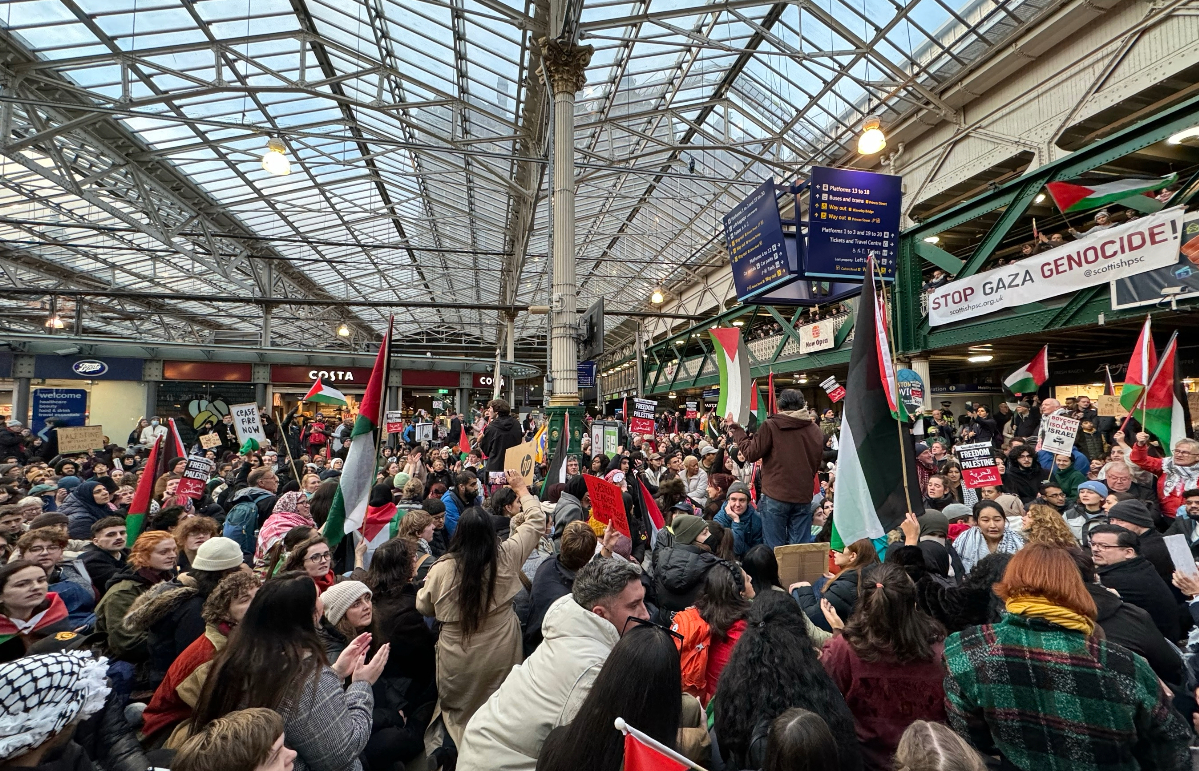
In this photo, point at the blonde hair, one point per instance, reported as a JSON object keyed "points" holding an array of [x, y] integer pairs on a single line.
{"points": [[929, 746], [239, 741], [1047, 526], [413, 523]]}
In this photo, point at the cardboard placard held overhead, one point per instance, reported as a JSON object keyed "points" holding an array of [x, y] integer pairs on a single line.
{"points": [[208, 441], [521, 457], [80, 439], [1058, 433], [1109, 406], [196, 474], [607, 503], [978, 464], [247, 423]]}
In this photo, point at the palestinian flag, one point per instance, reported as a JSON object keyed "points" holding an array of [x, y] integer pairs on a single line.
{"points": [[1031, 376], [139, 507], [732, 357], [376, 527], [1161, 412], [1140, 369], [325, 394], [757, 408], [175, 438], [1109, 388], [348, 510], [1081, 195], [875, 473], [557, 469], [886, 364], [651, 514]]}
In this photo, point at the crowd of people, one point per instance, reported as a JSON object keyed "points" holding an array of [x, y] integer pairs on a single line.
{"points": [[1039, 624]]}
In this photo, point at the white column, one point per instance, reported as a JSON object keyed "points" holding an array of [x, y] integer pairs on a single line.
{"points": [[920, 367]]}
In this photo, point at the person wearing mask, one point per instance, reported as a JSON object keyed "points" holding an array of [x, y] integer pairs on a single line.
{"points": [[151, 561], [773, 668], [681, 567], [29, 612], [856, 562], [542, 694], [176, 695], [502, 432], [990, 535], [1116, 552], [1021, 686], [1023, 476], [1087, 511], [887, 664], [274, 659], [790, 446], [646, 655], [461, 497], [555, 577], [106, 555], [245, 740], [739, 515], [470, 592], [152, 432]]}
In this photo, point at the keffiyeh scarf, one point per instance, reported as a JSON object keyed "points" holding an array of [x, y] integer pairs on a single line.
{"points": [[40, 695]]}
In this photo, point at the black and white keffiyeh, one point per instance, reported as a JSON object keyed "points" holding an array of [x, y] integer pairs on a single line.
{"points": [[39, 695]]}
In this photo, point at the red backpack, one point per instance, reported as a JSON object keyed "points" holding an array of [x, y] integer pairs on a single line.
{"points": [[693, 649]]}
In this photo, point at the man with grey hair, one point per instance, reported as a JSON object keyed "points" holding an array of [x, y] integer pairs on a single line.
{"points": [[578, 633], [1175, 474]]}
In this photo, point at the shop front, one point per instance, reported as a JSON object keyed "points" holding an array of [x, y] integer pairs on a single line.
{"points": [[289, 385], [433, 391], [194, 391]]}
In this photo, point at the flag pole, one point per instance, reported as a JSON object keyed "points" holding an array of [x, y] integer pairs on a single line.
{"points": [[903, 460], [386, 377], [287, 446], [653, 743]]}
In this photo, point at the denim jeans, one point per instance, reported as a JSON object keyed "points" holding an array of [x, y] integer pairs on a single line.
{"points": [[784, 523]]}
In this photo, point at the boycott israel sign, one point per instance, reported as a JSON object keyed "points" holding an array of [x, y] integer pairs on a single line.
{"points": [[1058, 433], [978, 464], [1146, 243]]}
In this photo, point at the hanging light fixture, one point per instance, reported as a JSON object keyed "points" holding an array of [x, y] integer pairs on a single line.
{"points": [[343, 331], [54, 322], [872, 140], [275, 160], [657, 297]]}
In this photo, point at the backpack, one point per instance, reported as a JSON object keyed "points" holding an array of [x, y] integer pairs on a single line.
{"points": [[693, 649], [241, 523]]}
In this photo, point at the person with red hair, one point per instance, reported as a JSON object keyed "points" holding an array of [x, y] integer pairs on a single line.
{"points": [[1044, 693]]}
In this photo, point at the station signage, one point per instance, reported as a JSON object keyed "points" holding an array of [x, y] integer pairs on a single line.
{"points": [[753, 234], [852, 215]]}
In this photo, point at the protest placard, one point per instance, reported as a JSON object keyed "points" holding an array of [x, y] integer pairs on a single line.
{"points": [[393, 422], [1109, 406], [422, 432], [978, 464], [196, 474], [607, 503], [79, 439], [247, 423], [835, 391], [208, 441], [1058, 433], [692, 410], [1180, 554], [643, 416], [521, 457]]}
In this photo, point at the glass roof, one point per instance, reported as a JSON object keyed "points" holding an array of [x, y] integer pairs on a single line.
{"points": [[417, 132]]}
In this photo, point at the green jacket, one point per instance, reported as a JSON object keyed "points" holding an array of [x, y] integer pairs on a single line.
{"points": [[1069, 479], [1051, 699], [123, 644]]}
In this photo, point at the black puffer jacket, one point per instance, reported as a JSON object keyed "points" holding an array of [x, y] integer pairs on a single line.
{"points": [[679, 574], [841, 593], [1024, 483], [500, 434], [169, 613], [1130, 626], [1138, 583]]}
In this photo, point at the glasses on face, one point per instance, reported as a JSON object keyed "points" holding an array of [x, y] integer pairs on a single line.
{"points": [[652, 625], [316, 559], [1103, 546], [44, 549], [1058, 494]]}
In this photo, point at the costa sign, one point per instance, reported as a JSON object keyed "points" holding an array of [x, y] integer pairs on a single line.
{"points": [[486, 380], [347, 375]]}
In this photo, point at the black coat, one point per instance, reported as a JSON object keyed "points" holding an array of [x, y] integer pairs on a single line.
{"points": [[500, 434], [1138, 583], [101, 566], [842, 594], [1132, 627], [1026, 426], [1153, 548], [1024, 483], [679, 574], [551, 581], [413, 656]]}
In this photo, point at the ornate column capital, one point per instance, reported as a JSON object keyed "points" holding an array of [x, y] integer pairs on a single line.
{"points": [[565, 64]]}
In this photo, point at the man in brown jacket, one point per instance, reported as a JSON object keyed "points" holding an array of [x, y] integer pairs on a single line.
{"points": [[790, 446]]}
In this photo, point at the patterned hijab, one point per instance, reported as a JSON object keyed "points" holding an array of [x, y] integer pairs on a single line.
{"points": [[40, 695]]}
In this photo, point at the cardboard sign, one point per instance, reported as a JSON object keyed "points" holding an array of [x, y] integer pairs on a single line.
{"points": [[247, 424], [522, 458], [1180, 554], [835, 392], [393, 422], [1109, 406], [196, 474], [643, 416], [978, 465], [79, 439], [1058, 433], [208, 441], [692, 411], [607, 503], [422, 432]]}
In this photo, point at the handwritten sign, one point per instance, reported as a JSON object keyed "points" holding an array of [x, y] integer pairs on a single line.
{"points": [[209, 441], [247, 424], [978, 465], [1058, 433], [393, 421], [80, 439], [1109, 406], [521, 457], [196, 474], [607, 503], [643, 416]]}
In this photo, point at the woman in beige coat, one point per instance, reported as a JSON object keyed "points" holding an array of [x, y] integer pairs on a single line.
{"points": [[470, 591]]}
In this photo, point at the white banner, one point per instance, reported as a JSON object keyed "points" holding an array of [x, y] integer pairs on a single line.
{"points": [[246, 423], [819, 336], [1144, 244]]}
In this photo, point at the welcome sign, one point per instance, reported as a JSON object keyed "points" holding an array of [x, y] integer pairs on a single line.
{"points": [[1144, 244]]}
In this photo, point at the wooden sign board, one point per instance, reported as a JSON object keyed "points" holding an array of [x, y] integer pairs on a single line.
{"points": [[208, 441], [521, 458], [80, 439]]}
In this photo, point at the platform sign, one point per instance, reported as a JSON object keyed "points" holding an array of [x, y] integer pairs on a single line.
{"points": [[753, 234], [851, 215], [586, 374]]}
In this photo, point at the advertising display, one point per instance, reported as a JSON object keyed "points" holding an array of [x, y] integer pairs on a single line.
{"points": [[65, 406], [753, 233], [852, 215], [911, 390], [820, 336]]}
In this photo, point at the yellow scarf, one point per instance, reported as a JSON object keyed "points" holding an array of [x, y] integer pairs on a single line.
{"points": [[1039, 607]]}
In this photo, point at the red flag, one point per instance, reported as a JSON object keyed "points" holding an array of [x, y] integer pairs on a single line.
{"points": [[770, 406], [463, 441], [639, 756], [173, 431], [651, 507], [140, 505]]}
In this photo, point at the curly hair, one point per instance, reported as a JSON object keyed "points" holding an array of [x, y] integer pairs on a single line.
{"points": [[1047, 526], [192, 525], [773, 668], [231, 587]]}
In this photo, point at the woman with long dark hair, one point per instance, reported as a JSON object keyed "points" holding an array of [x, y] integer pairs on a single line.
{"points": [[275, 659], [773, 668], [470, 591], [887, 663], [724, 607], [639, 682]]}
